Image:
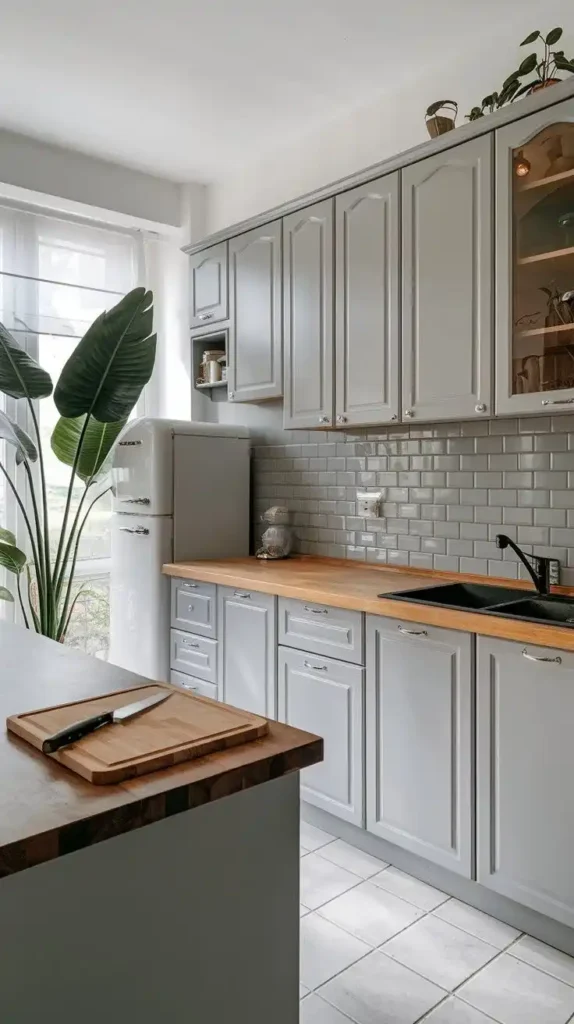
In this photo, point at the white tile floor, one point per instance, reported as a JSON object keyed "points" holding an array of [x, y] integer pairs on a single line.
{"points": [[380, 947]]}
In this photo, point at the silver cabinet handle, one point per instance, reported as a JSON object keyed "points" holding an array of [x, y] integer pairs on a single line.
{"points": [[315, 668], [135, 501], [532, 657], [129, 444], [189, 643], [480, 407], [557, 401], [140, 530], [231, 394], [408, 414], [190, 607], [324, 419], [316, 611], [341, 419], [241, 593], [412, 632], [189, 586], [205, 316]]}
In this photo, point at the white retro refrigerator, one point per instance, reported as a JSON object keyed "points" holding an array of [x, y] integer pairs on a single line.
{"points": [[180, 491]]}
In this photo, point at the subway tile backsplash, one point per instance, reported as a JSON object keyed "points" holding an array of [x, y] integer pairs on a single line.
{"points": [[448, 489]]}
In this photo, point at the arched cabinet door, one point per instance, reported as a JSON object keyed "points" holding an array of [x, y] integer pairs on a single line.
{"points": [[535, 262], [447, 284], [208, 286]]}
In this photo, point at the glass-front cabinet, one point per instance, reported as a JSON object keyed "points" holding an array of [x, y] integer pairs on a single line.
{"points": [[535, 262]]}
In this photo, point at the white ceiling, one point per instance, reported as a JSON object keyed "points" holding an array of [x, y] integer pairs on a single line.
{"points": [[188, 89]]}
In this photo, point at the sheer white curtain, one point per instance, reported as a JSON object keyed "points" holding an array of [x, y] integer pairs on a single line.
{"points": [[56, 276]]}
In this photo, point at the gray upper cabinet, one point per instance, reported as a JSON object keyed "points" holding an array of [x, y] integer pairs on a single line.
{"points": [[308, 316], [525, 766], [247, 667], [208, 286], [535, 262], [419, 748], [255, 356], [325, 696], [447, 284], [367, 303]]}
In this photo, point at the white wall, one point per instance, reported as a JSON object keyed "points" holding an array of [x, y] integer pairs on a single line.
{"points": [[391, 123]]}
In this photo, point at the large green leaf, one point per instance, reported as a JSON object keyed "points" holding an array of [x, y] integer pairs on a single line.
{"points": [[530, 38], [11, 432], [5, 594], [11, 557], [7, 536], [553, 36], [97, 445], [20, 375], [528, 65], [107, 371]]}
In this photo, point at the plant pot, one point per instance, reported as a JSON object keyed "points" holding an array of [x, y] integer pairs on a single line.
{"points": [[439, 125], [544, 85]]}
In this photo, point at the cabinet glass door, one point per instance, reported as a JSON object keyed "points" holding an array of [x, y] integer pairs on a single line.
{"points": [[536, 186]]}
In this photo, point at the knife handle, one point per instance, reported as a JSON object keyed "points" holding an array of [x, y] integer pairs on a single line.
{"points": [[75, 731]]}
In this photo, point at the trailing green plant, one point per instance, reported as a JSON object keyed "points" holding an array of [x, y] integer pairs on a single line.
{"points": [[544, 68], [95, 394]]}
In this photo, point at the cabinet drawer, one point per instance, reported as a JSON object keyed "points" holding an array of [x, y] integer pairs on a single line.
{"points": [[194, 655], [325, 697], [334, 632], [194, 607], [197, 685]]}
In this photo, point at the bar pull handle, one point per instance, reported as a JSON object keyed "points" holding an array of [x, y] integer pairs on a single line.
{"points": [[532, 657]]}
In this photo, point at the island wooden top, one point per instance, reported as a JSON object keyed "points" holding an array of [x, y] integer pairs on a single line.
{"points": [[345, 584], [47, 811]]}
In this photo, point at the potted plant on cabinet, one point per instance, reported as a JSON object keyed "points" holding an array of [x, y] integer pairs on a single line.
{"points": [[95, 394]]}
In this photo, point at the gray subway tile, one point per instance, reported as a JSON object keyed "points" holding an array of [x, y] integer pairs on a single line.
{"points": [[551, 480], [563, 460], [434, 545], [433, 511], [533, 535], [502, 496], [473, 496], [397, 494], [446, 496], [435, 447], [398, 525], [459, 479], [365, 479], [488, 479], [478, 566], [534, 460], [376, 463], [550, 517], [399, 462], [410, 479], [562, 499], [365, 539], [489, 444], [447, 462], [444, 529], [423, 527], [459, 547], [418, 560], [562, 423], [534, 425], [476, 463], [561, 537], [487, 549], [517, 516], [507, 569], [409, 511], [397, 557], [356, 554], [477, 428], [408, 542], [460, 513], [387, 540], [509, 529], [446, 563], [500, 462], [515, 443], [503, 426], [421, 462], [420, 494], [387, 479], [473, 531], [533, 499], [518, 479], [488, 514], [377, 555], [551, 442], [433, 479], [460, 446]]}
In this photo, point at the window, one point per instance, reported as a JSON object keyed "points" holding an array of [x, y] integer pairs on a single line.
{"points": [[56, 276]]}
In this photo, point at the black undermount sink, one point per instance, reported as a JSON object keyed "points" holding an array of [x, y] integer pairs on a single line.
{"points": [[464, 596], [505, 601]]}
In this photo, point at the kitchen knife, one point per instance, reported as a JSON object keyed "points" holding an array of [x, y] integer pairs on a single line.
{"points": [[77, 730]]}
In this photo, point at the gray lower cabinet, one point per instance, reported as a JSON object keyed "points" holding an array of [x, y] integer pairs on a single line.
{"points": [[525, 767], [255, 355], [448, 284], [194, 607], [208, 286], [194, 655], [197, 685], [248, 666], [325, 696], [321, 629], [367, 303], [308, 316], [419, 740]]}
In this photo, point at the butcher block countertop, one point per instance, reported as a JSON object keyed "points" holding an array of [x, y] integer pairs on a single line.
{"points": [[47, 811], [346, 584]]}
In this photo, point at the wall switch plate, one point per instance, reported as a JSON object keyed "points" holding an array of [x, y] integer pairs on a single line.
{"points": [[369, 504]]}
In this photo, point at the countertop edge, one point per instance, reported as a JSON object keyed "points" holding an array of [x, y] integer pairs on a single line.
{"points": [[242, 573]]}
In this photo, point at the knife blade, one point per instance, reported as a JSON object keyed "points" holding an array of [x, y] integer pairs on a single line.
{"points": [[85, 726]]}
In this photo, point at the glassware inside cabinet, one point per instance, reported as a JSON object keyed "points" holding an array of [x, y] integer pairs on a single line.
{"points": [[543, 267]]}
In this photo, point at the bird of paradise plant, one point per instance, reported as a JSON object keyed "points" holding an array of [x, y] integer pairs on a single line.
{"points": [[95, 394]]}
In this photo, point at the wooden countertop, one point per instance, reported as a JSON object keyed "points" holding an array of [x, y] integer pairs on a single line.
{"points": [[47, 811], [346, 584]]}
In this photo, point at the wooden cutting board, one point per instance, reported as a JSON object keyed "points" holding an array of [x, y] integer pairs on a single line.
{"points": [[180, 728]]}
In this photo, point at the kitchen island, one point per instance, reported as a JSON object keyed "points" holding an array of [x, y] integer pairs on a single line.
{"points": [[171, 897]]}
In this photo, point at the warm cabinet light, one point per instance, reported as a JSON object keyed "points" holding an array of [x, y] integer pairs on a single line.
{"points": [[521, 165]]}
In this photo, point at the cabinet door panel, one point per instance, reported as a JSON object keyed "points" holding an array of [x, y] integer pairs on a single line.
{"points": [[325, 696], [194, 655], [419, 721], [255, 366], [367, 297], [534, 251], [308, 316], [209, 285], [525, 764], [447, 284], [194, 607], [248, 666], [197, 685]]}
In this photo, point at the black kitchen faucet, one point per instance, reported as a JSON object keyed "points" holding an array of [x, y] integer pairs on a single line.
{"points": [[540, 575]]}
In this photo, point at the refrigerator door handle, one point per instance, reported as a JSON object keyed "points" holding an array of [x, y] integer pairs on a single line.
{"points": [[141, 530]]}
